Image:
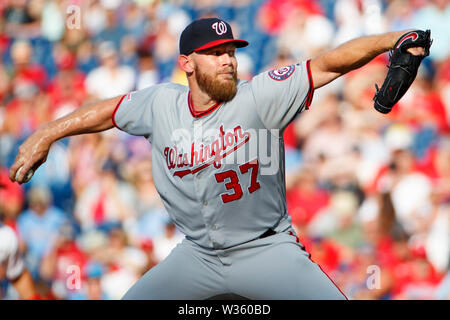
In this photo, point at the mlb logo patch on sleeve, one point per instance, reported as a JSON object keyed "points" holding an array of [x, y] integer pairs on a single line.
{"points": [[282, 73]]}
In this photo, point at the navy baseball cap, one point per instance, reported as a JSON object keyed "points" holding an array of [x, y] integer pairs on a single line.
{"points": [[207, 33]]}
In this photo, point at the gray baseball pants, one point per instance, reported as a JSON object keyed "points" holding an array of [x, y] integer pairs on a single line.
{"points": [[269, 268]]}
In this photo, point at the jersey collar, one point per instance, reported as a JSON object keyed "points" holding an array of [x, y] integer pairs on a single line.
{"points": [[199, 114]]}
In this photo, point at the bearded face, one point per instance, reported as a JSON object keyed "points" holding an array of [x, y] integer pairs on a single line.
{"points": [[221, 86]]}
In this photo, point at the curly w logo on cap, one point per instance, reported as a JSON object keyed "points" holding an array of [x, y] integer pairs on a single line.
{"points": [[220, 27]]}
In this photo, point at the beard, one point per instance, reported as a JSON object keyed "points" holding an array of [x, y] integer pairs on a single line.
{"points": [[218, 90]]}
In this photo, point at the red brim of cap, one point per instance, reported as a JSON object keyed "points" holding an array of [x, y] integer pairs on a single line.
{"points": [[239, 44]]}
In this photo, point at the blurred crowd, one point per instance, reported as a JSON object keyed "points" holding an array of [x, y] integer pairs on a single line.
{"points": [[369, 194]]}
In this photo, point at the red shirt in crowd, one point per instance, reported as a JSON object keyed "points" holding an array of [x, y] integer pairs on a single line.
{"points": [[303, 206]]}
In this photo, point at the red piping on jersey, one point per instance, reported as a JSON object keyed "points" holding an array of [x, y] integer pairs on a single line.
{"points": [[199, 114], [310, 94], [309, 257], [114, 112], [331, 281]]}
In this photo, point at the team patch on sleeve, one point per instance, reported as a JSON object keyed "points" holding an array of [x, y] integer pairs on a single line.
{"points": [[282, 73]]}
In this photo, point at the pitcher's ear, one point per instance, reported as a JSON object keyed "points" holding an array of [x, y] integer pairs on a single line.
{"points": [[185, 63]]}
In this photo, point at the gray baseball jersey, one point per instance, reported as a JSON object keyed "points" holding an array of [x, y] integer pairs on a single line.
{"points": [[220, 174], [208, 166]]}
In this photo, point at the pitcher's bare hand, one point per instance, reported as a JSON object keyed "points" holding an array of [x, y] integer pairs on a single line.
{"points": [[416, 51], [32, 153]]}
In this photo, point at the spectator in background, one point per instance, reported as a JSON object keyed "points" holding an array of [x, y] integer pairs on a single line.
{"points": [[435, 238], [113, 31], [305, 33], [29, 106], [85, 154], [347, 230], [20, 20], [151, 215], [92, 286], [128, 55], [12, 198], [435, 15], [106, 201], [73, 38], [436, 233], [12, 265], [26, 111], [94, 17], [306, 198], [399, 13], [23, 67], [360, 286], [120, 254], [67, 89], [142, 179], [246, 67], [324, 252], [419, 278], [355, 18], [165, 50], [135, 21], [436, 165], [164, 244], [58, 263], [442, 84], [411, 191], [86, 58], [148, 248], [370, 153], [422, 108], [38, 227], [4, 86], [381, 229], [330, 148], [125, 264], [399, 255], [110, 78], [52, 19], [147, 72]]}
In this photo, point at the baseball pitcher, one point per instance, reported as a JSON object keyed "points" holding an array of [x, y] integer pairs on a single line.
{"points": [[218, 163]]}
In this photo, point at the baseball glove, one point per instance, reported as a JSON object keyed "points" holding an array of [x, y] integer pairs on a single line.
{"points": [[403, 68]]}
